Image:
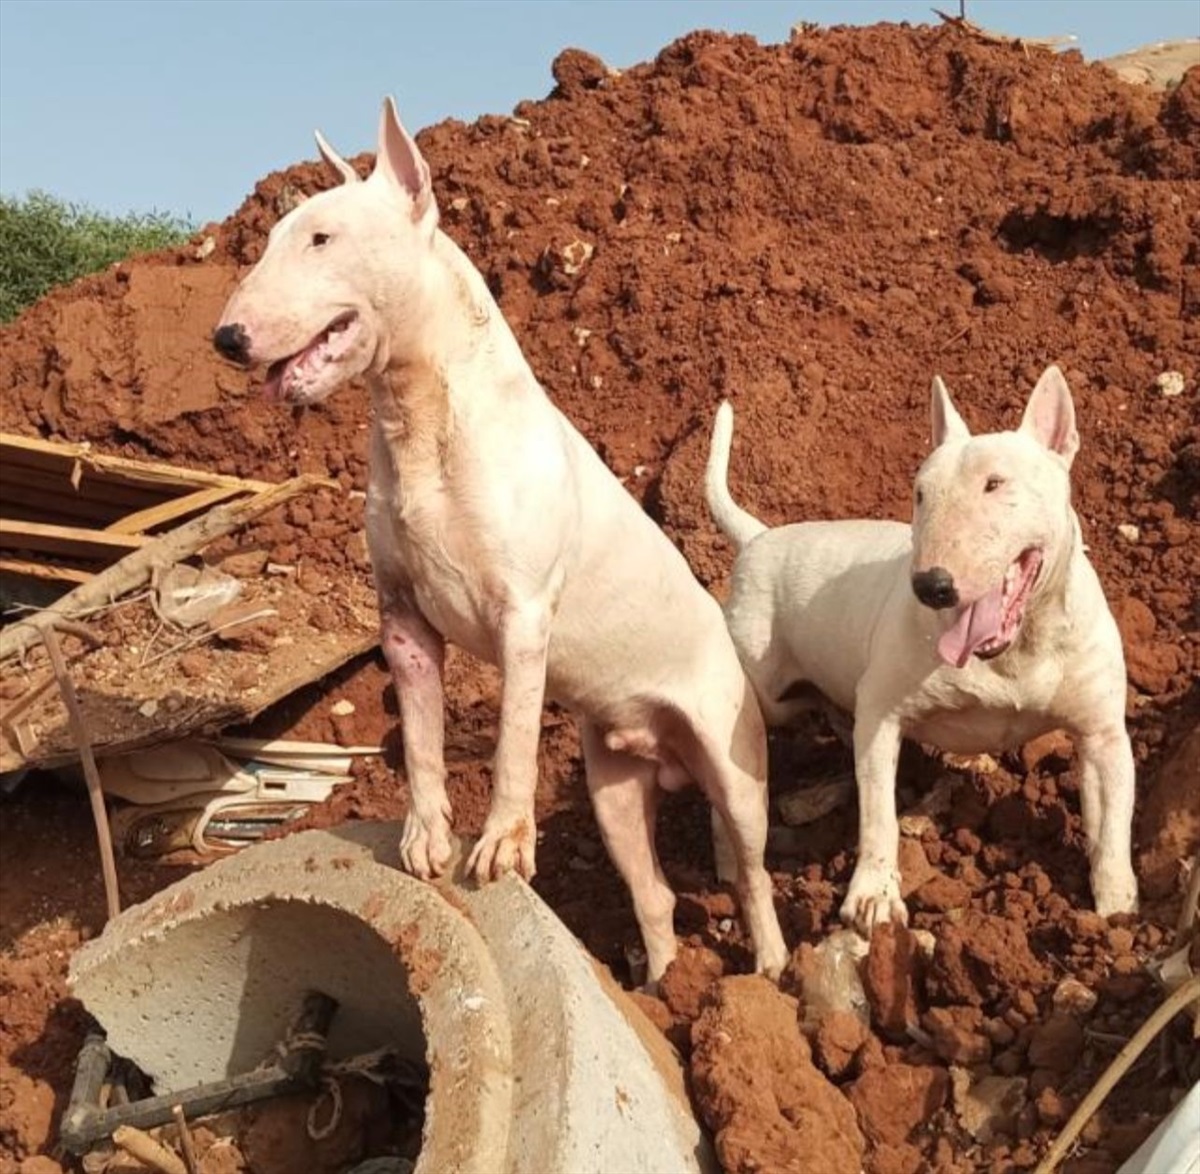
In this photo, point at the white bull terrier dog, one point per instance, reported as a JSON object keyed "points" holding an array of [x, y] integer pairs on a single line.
{"points": [[493, 524], [976, 629]]}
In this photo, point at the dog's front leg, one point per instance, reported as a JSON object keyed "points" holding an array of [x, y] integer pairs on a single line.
{"points": [[415, 653], [874, 894], [509, 835], [1106, 793]]}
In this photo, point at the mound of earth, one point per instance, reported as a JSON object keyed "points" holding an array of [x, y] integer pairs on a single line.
{"points": [[812, 230]]}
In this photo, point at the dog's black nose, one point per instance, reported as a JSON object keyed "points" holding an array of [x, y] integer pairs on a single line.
{"points": [[935, 587], [233, 342]]}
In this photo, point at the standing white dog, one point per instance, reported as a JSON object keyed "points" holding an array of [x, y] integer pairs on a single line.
{"points": [[976, 629], [493, 524]]}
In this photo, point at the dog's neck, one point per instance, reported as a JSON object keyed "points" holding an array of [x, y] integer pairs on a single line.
{"points": [[457, 356]]}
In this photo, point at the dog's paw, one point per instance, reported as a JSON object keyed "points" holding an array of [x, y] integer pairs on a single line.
{"points": [[873, 899], [425, 848], [1114, 891], [771, 961], [506, 845]]}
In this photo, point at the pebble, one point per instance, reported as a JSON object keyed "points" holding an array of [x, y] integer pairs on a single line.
{"points": [[1170, 384], [1129, 532]]}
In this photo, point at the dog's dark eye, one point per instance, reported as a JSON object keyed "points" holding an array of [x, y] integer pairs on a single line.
{"points": [[319, 239], [992, 484]]}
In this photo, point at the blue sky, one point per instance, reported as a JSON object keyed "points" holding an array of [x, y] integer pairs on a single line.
{"points": [[180, 105]]}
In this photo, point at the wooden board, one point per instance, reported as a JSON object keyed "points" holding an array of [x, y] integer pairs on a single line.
{"points": [[66, 541], [86, 510]]}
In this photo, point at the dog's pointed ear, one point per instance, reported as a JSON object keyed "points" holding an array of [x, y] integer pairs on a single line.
{"points": [[347, 173], [1050, 416], [400, 162], [947, 423]]}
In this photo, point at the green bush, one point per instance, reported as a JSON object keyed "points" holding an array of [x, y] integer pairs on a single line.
{"points": [[46, 242]]}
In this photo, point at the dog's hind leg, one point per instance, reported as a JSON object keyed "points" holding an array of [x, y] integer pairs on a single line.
{"points": [[1106, 794], [733, 776], [624, 791]]}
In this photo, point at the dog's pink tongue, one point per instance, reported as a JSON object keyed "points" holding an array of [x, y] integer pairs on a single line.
{"points": [[976, 623]]}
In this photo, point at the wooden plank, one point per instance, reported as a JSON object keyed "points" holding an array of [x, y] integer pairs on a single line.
{"points": [[38, 504], [124, 498], [173, 510], [148, 473], [66, 541], [136, 568], [16, 566]]}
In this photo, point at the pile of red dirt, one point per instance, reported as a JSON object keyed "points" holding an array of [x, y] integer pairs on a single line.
{"points": [[813, 230]]}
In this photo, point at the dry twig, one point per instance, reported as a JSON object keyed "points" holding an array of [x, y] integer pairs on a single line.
{"points": [[1187, 994], [83, 743]]}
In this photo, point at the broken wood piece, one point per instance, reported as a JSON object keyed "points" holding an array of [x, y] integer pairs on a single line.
{"points": [[1052, 43], [185, 1140], [65, 541], [20, 566], [170, 511], [812, 803], [83, 743], [149, 1152], [27, 450], [135, 568]]}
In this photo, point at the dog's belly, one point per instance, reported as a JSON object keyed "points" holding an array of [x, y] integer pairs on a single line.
{"points": [[980, 730]]}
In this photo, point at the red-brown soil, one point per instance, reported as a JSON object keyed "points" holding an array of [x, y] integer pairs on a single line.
{"points": [[813, 230]]}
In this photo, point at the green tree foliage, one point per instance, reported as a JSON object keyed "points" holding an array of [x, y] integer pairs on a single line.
{"points": [[46, 242]]}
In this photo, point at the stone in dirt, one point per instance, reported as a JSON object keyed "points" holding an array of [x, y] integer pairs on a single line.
{"points": [[688, 979], [767, 1105], [1057, 1044], [892, 975], [981, 957], [988, 1105], [957, 1034], [894, 1100], [838, 1039]]}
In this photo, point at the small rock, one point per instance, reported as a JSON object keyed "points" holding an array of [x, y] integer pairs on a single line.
{"points": [[891, 976], [1057, 1044], [957, 1034], [1129, 532], [244, 678], [915, 868], [148, 708], [1071, 997], [252, 626], [688, 978], [989, 1105], [828, 977], [1170, 384], [193, 664], [1055, 744], [942, 893], [244, 564], [894, 1100], [837, 1041], [342, 708], [1051, 1109]]}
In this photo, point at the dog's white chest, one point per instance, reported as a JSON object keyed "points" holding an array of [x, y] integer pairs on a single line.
{"points": [[419, 537], [976, 710]]}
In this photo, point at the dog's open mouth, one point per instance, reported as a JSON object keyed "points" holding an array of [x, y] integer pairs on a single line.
{"points": [[988, 626], [289, 376]]}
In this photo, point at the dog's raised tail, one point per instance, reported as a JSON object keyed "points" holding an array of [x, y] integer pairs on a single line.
{"points": [[733, 521]]}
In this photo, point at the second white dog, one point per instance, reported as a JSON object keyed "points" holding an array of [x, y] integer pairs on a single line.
{"points": [[976, 629]]}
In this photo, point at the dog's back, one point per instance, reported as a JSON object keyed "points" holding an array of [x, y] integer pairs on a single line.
{"points": [[792, 589]]}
